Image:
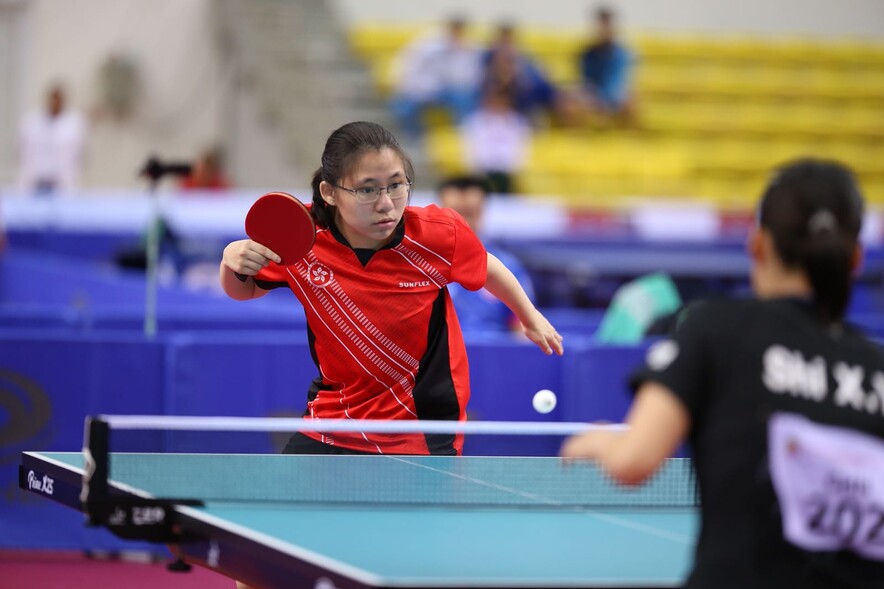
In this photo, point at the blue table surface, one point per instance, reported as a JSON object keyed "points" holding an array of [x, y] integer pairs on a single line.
{"points": [[396, 520]]}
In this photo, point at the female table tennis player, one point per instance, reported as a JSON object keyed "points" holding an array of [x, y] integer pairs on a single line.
{"points": [[382, 328], [782, 402]]}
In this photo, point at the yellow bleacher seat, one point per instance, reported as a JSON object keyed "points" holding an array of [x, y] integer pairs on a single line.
{"points": [[873, 192], [544, 42], [561, 69], [445, 149], [373, 40], [684, 48]]}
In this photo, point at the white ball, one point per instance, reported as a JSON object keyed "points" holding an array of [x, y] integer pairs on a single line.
{"points": [[544, 401]]}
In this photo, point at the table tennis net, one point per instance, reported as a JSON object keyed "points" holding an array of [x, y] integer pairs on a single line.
{"points": [[399, 480]]}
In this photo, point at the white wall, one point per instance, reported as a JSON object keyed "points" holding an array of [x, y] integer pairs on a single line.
{"points": [[12, 69], [864, 18], [181, 105]]}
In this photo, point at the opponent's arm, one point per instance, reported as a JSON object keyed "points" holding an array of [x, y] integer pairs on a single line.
{"points": [[656, 424], [502, 284]]}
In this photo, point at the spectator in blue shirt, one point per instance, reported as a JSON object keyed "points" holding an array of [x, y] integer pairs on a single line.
{"points": [[606, 70], [507, 66], [479, 310]]}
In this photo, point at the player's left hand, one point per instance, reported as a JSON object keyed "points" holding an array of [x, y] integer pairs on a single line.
{"points": [[540, 331]]}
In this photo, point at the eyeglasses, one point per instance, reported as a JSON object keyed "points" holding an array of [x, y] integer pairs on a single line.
{"points": [[371, 194]]}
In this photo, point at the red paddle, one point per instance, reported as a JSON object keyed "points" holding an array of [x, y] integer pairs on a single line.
{"points": [[282, 223]]}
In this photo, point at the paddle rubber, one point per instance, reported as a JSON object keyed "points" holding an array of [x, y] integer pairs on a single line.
{"points": [[282, 223]]}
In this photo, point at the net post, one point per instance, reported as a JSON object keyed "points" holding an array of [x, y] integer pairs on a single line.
{"points": [[96, 448], [128, 516]]}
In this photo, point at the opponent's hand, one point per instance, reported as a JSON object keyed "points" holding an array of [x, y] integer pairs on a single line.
{"points": [[540, 331], [248, 257], [586, 446]]}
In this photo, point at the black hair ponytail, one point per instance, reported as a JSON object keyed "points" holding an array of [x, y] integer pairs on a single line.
{"points": [[828, 258], [322, 212], [813, 209]]}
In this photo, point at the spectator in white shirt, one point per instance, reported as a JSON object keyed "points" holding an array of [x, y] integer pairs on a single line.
{"points": [[51, 144], [440, 71], [496, 139]]}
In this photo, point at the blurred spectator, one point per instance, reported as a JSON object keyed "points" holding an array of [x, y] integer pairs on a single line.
{"points": [[480, 310], [436, 71], [207, 173], [51, 146], [606, 70], [496, 138], [641, 305], [508, 67]]}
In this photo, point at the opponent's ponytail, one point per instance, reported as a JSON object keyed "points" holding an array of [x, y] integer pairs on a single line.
{"points": [[813, 210], [827, 258]]}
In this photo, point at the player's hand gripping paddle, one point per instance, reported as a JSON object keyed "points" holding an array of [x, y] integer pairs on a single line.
{"points": [[282, 223]]}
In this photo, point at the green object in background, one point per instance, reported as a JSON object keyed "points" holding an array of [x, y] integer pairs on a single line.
{"points": [[635, 306]]}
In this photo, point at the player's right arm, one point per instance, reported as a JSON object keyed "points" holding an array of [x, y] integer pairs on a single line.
{"points": [[245, 258]]}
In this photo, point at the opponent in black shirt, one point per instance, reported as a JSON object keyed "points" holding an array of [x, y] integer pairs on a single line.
{"points": [[783, 405]]}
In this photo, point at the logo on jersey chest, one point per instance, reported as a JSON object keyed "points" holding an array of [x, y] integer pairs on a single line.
{"points": [[319, 275], [417, 284]]}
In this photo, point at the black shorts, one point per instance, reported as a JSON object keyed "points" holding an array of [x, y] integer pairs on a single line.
{"points": [[301, 444]]}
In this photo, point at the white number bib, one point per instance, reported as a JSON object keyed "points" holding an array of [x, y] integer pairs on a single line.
{"points": [[830, 484]]}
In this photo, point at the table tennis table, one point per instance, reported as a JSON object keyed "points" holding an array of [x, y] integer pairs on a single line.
{"points": [[402, 521]]}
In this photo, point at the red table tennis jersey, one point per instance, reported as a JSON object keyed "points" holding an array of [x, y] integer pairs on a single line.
{"points": [[385, 335]]}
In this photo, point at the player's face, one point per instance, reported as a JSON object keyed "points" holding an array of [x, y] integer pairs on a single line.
{"points": [[370, 225]]}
